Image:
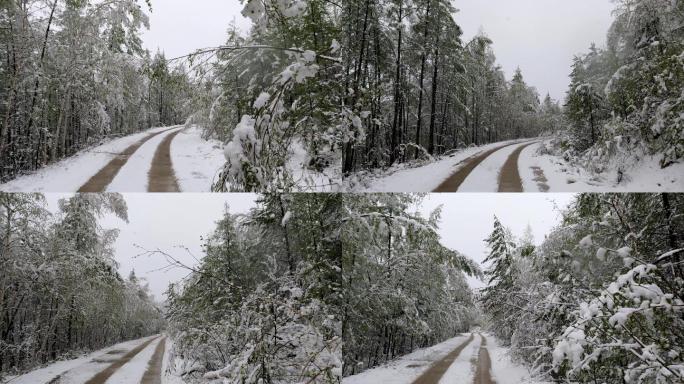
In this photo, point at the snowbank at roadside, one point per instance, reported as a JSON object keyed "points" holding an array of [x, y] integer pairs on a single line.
{"points": [[504, 370], [645, 176], [406, 369]]}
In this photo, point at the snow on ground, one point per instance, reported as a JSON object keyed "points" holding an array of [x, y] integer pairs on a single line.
{"points": [[485, 177], [306, 179], [134, 370], [133, 177], [170, 365], [86, 365], [70, 174], [196, 161], [406, 369], [647, 176], [426, 178], [463, 368], [504, 371]]}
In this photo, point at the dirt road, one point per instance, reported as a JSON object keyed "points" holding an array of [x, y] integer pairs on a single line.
{"points": [[154, 368], [483, 373], [438, 369], [453, 183], [509, 176], [161, 176], [102, 376]]}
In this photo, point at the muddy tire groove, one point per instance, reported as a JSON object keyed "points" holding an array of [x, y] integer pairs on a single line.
{"points": [[453, 183], [438, 369], [161, 177], [102, 376], [483, 373], [100, 181], [154, 368], [509, 177]]}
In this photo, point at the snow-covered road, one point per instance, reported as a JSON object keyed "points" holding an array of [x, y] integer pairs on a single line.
{"points": [[136, 361], [168, 159], [516, 166], [465, 359]]}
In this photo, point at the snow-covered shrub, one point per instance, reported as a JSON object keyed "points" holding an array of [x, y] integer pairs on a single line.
{"points": [[631, 331]]}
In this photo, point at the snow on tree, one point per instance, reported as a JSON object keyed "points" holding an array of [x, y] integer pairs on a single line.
{"points": [[403, 290], [60, 292], [263, 306]]}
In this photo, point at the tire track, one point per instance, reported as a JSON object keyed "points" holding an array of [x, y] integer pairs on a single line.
{"points": [[100, 181], [161, 177], [154, 369], [453, 183], [484, 365], [102, 376], [438, 369], [509, 176]]}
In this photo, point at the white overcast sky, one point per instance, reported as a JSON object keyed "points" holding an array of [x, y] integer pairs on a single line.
{"points": [[170, 221], [468, 218], [166, 222], [539, 36]]}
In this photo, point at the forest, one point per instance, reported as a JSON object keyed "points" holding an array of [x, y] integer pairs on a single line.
{"points": [[60, 291], [599, 300], [418, 91], [317, 90], [74, 74], [264, 304], [602, 298], [625, 101], [403, 289]]}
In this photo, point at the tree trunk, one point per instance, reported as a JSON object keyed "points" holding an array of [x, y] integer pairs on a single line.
{"points": [[397, 92], [433, 108], [419, 114]]}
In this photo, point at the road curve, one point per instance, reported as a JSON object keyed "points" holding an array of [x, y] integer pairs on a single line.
{"points": [[453, 183], [509, 177], [100, 181], [438, 369]]}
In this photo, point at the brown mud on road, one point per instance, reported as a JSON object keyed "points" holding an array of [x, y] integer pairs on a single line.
{"points": [[104, 177], [154, 368], [161, 177], [438, 369], [541, 179], [509, 177], [453, 183], [484, 365], [102, 377]]}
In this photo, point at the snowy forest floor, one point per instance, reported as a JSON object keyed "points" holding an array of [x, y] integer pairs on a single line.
{"points": [[514, 166], [136, 361], [469, 358]]}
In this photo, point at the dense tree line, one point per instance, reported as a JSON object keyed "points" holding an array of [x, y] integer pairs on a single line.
{"points": [[627, 99], [74, 73], [272, 94], [403, 289], [60, 292], [602, 298], [263, 305], [418, 91]]}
